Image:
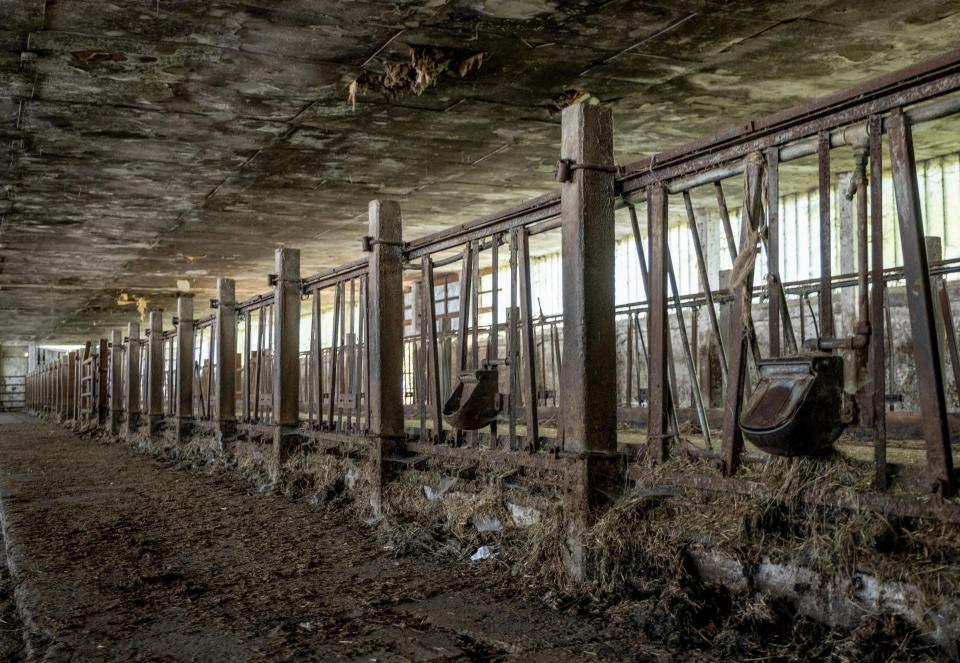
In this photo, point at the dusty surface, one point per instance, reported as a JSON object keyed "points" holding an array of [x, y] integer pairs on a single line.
{"points": [[122, 558], [150, 143]]}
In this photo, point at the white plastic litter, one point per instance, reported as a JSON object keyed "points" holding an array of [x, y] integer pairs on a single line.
{"points": [[523, 516], [434, 494], [483, 552], [484, 524]]}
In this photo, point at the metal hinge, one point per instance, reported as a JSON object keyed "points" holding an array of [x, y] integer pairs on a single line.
{"points": [[367, 243], [565, 168]]}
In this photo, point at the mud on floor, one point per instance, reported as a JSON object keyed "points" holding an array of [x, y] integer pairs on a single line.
{"points": [[513, 525]]}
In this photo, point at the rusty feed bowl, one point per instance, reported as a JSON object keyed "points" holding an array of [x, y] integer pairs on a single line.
{"points": [[796, 407], [474, 402]]}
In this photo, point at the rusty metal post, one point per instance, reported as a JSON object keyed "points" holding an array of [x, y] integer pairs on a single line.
{"points": [[286, 355], [226, 362], [877, 387], [132, 393], [658, 387], [773, 250], [154, 373], [385, 339], [920, 302], [184, 382], [103, 369], [71, 390], [826, 266], [740, 314], [116, 381], [588, 392]]}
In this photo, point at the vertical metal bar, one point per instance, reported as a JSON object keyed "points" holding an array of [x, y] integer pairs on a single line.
{"points": [[685, 342], [513, 339], [493, 345], [773, 250], [316, 361], [475, 306], [527, 341], [247, 376], [433, 355], [629, 389], [876, 387], [752, 211], [261, 325], [493, 342], [351, 375], [658, 391], [705, 283], [210, 356], [950, 336], [926, 351], [725, 220], [826, 266], [334, 354], [184, 385], [361, 350], [466, 277]]}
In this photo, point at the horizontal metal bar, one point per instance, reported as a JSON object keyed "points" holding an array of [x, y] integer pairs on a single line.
{"points": [[533, 211], [334, 276], [838, 138], [929, 79]]}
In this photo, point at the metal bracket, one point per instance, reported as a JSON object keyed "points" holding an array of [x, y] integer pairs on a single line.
{"points": [[271, 280], [367, 243], [565, 168], [214, 303]]}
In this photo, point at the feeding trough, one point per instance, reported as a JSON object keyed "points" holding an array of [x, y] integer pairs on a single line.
{"points": [[475, 402], [796, 409]]}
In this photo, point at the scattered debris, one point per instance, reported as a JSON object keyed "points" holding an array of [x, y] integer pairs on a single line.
{"points": [[523, 516], [569, 98], [487, 524], [99, 56], [433, 494], [126, 299], [426, 65], [483, 552]]}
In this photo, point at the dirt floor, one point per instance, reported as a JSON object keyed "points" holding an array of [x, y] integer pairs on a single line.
{"points": [[118, 554], [123, 557]]}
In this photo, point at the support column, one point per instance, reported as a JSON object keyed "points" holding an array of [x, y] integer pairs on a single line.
{"points": [[116, 381], [286, 355], [155, 373], [385, 306], [740, 315], [658, 328], [588, 394], [103, 371], [132, 395], [61, 387], [72, 395], [933, 407], [848, 265], [184, 390], [226, 362]]}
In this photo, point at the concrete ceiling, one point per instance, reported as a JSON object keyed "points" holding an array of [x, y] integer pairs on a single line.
{"points": [[147, 143]]}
